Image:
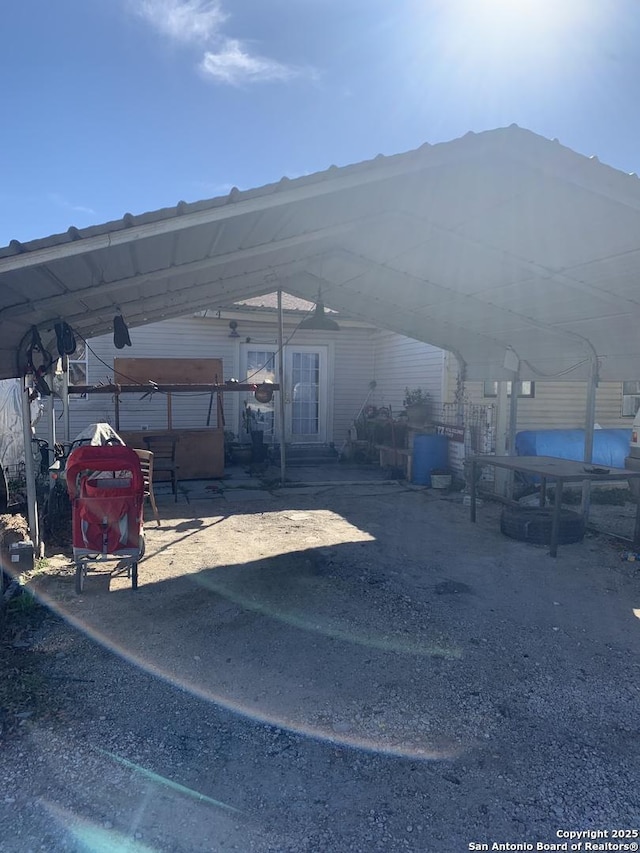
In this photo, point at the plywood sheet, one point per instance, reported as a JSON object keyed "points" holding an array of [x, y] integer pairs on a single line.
{"points": [[168, 370]]}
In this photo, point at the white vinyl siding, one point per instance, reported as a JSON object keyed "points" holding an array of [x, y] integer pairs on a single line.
{"points": [[401, 363], [353, 371], [561, 405], [349, 368], [182, 337]]}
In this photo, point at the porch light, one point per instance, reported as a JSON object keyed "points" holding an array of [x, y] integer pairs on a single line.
{"points": [[319, 320]]}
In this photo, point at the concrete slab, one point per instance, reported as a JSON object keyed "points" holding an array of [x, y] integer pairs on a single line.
{"points": [[249, 482], [293, 491], [356, 489], [241, 495], [335, 471]]}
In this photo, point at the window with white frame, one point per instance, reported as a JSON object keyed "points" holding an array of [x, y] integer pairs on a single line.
{"points": [[260, 368], [527, 389], [630, 398], [79, 366]]}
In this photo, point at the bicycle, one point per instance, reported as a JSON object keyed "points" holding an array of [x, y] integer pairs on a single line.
{"points": [[51, 489]]}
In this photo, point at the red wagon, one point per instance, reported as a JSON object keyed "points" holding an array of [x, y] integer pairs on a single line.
{"points": [[106, 489]]}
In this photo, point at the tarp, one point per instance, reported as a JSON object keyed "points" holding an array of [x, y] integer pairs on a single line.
{"points": [[11, 435], [11, 440], [610, 446]]}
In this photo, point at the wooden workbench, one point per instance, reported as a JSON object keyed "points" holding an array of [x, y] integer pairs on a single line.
{"points": [[199, 452]]}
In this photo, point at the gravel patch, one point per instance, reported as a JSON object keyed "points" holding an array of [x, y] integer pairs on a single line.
{"points": [[334, 672]]}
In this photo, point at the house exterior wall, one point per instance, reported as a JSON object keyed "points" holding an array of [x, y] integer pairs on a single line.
{"points": [[400, 363], [556, 405], [350, 366], [184, 337], [353, 372], [561, 405], [356, 356]]}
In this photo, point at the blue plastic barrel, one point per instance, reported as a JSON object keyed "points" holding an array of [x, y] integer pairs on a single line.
{"points": [[430, 453]]}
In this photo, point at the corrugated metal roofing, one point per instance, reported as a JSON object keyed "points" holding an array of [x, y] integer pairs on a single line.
{"points": [[495, 241]]}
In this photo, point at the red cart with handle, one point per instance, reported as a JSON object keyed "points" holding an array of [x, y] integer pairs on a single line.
{"points": [[106, 489]]}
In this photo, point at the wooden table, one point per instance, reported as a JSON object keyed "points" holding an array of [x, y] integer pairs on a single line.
{"points": [[561, 471]]}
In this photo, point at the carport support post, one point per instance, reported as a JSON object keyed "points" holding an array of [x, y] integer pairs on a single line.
{"points": [[29, 470], [589, 426], [51, 411], [513, 427], [283, 459], [502, 437], [65, 398]]}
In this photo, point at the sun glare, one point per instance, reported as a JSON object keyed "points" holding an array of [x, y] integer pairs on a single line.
{"points": [[512, 13], [504, 37]]}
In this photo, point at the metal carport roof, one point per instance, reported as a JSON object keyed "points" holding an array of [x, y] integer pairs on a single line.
{"points": [[497, 241]]}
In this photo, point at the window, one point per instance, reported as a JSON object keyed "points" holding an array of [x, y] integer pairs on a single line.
{"points": [[527, 389], [78, 366], [305, 379], [630, 398]]}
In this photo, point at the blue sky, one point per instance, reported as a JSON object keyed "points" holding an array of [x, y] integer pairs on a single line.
{"points": [[132, 105]]}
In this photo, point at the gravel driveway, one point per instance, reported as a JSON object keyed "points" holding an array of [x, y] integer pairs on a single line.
{"points": [[350, 668]]}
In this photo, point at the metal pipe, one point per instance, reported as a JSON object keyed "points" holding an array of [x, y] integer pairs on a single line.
{"points": [[513, 426], [513, 416], [169, 388], [65, 398], [52, 417], [283, 458], [590, 414], [589, 426], [501, 476], [29, 469]]}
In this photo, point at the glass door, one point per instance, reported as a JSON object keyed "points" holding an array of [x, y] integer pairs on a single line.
{"points": [[306, 394], [259, 365]]}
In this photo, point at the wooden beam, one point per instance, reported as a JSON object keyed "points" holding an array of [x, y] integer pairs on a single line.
{"points": [[150, 388]]}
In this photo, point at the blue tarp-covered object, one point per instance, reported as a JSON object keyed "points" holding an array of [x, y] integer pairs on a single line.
{"points": [[610, 446]]}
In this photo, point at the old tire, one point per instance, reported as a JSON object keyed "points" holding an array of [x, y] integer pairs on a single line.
{"points": [[81, 572], [531, 524]]}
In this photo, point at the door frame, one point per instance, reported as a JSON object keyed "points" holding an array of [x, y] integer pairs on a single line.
{"points": [[324, 430], [326, 351]]}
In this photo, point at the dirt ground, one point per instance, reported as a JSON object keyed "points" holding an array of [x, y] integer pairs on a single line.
{"points": [[325, 668]]}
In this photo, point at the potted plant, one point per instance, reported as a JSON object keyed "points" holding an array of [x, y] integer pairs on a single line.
{"points": [[417, 406]]}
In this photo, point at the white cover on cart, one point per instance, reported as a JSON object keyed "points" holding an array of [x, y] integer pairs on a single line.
{"points": [[97, 435]]}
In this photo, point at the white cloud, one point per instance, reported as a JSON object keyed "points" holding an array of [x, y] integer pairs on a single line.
{"points": [[61, 201], [228, 61], [183, 20], [232, 64]]}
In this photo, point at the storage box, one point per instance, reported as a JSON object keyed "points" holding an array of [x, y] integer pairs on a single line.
{"points": [[21, 556]]}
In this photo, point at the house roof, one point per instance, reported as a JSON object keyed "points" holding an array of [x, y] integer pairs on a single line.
{"points": [[269, 301], [495, 242]]}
